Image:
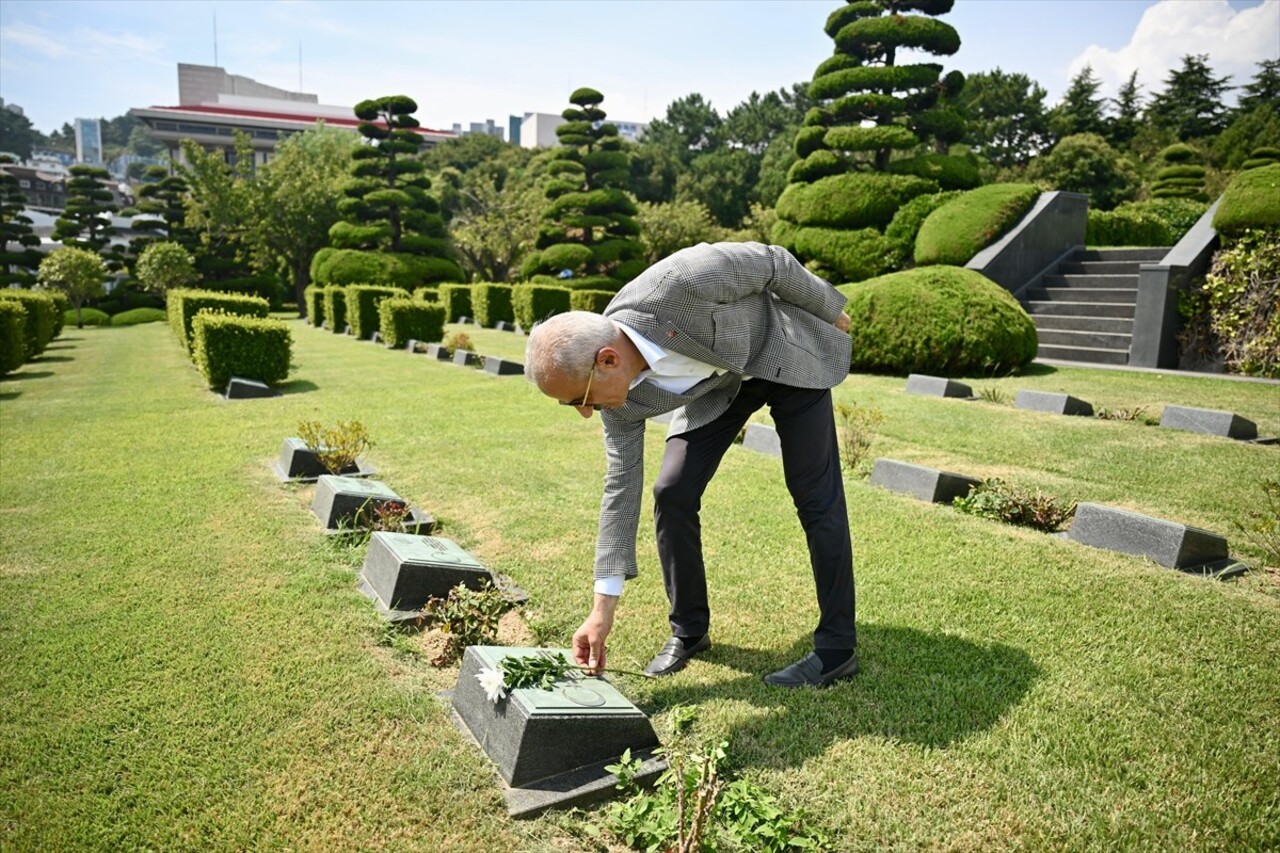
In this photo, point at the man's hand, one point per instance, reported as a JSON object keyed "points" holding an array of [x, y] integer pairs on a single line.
{"points": [[589, 640], [842, 322]]}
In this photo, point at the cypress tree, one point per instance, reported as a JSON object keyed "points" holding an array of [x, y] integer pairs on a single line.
{"points": [[19, 257]]}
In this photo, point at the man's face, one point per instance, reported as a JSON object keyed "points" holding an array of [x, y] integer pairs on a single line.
{"points": [[608, 386]]}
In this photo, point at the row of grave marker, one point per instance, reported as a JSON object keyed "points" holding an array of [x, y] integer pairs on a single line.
{"points": [[1205, 421], [550, 748]]}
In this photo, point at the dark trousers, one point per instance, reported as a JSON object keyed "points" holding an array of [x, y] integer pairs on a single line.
{"points": [[811, 465]]}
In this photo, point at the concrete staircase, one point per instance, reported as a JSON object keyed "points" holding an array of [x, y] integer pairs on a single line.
{"points": [[1084, 309]]}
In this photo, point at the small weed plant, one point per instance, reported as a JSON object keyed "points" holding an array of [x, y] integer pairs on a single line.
{"points": [[994, 394], [694, 809], [389, 516], [467, 617], [1260, 527], [455, 341], [336, 447], [857, 433], [1132, 413], [1001, 501]]}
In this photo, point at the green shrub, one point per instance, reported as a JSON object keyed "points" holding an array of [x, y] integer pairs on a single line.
{"points": [[226, 345], [1259, 157], [1178, 213], [362, 307], [1249, 202], [41, 316], [402, 320], [184, 305], [966, 225], [819, 164], [61, 303], [1126, 227], [13, 329], [942, 320], [1001, 501], [594, 301], [906, 223], [586, 282], [844, 256], [492, 304], [1236, 308], [855, 200], [353, 266], [136, 316], [951, 173], [532, 303], [456, 299], [335, 309], [88, 317], [1179, 152], [1085, 163], [313, 298], [426, 294]]}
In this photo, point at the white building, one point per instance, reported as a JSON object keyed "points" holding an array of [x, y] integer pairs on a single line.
{"points": [[89, 141], [538, 130]]}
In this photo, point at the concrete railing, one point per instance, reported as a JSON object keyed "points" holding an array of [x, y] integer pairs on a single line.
{"points": [[1156, 320], [1051, 230]]}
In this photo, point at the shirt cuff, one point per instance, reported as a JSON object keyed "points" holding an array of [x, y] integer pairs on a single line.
{"points": [[610, 585]]}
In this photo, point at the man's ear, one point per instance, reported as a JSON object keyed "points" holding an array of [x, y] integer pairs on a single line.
{"points": [[608, 357]]}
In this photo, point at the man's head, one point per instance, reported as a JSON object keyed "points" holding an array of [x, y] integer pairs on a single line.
{"points": [[581, 359]]}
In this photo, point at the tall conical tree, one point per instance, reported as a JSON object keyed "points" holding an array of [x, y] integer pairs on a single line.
{"points": [[839, 196], [1081, 109], [590, 224], [392, 231], [85, 222], [19, 258]]}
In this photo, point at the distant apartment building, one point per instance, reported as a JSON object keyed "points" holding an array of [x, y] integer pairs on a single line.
{"points": [[42, 187], [13, 108], [212, 104], [88, 141], [538, 130], [485, 128], [513, 129]]}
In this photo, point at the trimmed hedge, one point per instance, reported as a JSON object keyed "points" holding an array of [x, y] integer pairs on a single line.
{"points": [[61, 302], [1178, 213], [594, 301], [402, 320], [335, 309], [184, 305], [941, 320], [226, 345], [13, 343], [856, 200], [1126, 227], [532, 303], [492, 304], [1249, 202], [964, 226], [951, 173], [906, 223], [844, 256], [136, 316], [362, 307], [586, 282], [313, 297], [456, 299], [426, 294], [88, 317], [41, 318], [352, 266]]}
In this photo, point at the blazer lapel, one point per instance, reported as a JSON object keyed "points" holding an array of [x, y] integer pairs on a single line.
{"points": [[669, 336]]}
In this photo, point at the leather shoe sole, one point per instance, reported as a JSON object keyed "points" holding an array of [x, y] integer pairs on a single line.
{"points": [[807, 672], [674, 656]]}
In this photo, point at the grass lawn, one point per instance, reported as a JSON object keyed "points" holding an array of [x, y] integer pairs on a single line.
{"points": [[187, 663]]}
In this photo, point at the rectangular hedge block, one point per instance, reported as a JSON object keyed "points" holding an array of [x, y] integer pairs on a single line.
{"points": [[184, 305], [362, 307], [314, 298], [13, 335], [533, 303], [41, 318], [226, 345], [456, 299], [402, 320], [594, 301], [492, 304], [335, 309]]}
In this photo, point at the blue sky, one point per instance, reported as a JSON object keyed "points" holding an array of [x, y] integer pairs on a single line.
{"points": [[470, 60]]}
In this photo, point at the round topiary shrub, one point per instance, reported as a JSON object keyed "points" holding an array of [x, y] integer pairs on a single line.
{"points": [[951, 173], [1249, 202], [906, 223], [942, 320], [856, 200], [964, 226], [135, 316], [88, 317]]}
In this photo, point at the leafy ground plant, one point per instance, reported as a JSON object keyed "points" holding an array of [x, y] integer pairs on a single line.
{"points": [[454, 341], [336, 447], [994, 394], [467, 617], [857, 433], [1132, 413], [1002, 501], [1261, 526]]}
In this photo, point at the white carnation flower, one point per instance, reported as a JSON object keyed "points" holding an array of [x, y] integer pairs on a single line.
{"points": [[492, 682]]}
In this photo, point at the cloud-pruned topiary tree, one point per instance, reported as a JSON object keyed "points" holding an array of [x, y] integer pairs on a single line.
{"points": [[85, 222], [19, 255], [589, 225], [868, 107], [392, 232], [1181, 176]]}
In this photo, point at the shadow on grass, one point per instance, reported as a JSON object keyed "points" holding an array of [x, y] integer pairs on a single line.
{"points": [[1037, 370], [10, 395], [297, 386], [914, 687], [47, 357], [28, 374]]}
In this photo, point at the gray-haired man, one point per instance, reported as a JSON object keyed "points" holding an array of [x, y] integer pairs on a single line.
{"points": [[712, 333]]}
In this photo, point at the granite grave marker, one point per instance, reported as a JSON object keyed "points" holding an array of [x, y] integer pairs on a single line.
{"points": [[927, 484], [1052, 403], [937, 386]]}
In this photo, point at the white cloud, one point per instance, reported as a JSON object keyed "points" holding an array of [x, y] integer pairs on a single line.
{"points": [[32, 38], [1236, 41], [124, 46]]}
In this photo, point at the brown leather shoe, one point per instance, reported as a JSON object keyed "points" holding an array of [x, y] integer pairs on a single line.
{"points": [[674, 656], [808, 672]]}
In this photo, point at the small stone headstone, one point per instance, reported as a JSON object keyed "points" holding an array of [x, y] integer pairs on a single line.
{"points": [[240, 388], [439, 352], [927, 484], [551, 746], [937, 386], [339, 499], [412, 346], [346, 330], [300, 463], [465, 358], [463, 321], [376, 337], [502, 367], [401, 571], [1209, 422], [1174, 545], [762, 439], [504, 326], [1054, 404]]}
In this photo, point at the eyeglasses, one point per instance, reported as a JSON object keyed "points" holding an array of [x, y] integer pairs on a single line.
{"points": [[579, 403]]}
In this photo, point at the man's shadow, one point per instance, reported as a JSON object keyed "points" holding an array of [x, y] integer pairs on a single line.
{"points": [[914, 687]]}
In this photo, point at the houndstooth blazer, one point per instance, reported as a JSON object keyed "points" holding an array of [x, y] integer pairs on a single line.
{"points": [[746, 309]]}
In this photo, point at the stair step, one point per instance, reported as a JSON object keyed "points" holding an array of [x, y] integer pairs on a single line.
{"points": [[1093, 355], [1073, 322], [1084, 294], [1075, 280], [1099, 267], [1081, 309], [1144, 255], [1079, 338]]}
